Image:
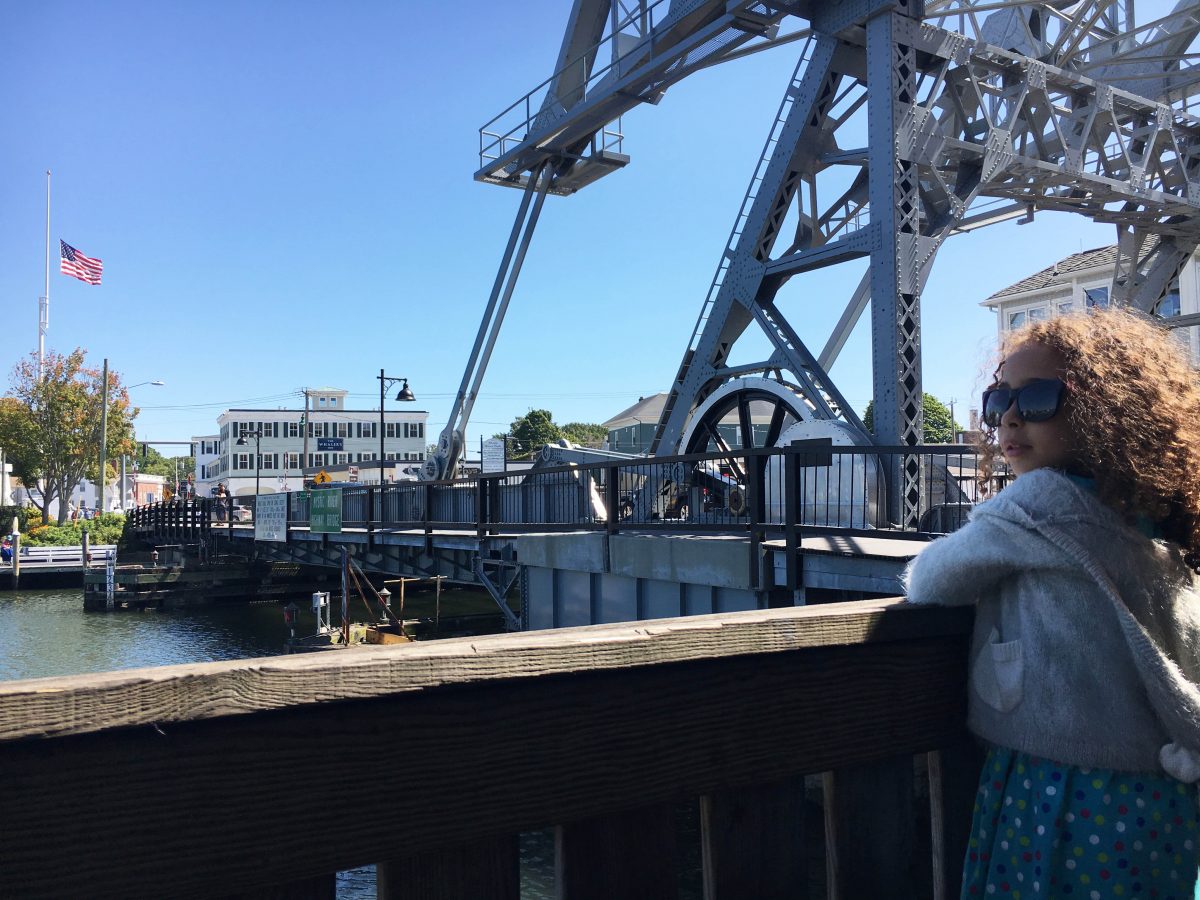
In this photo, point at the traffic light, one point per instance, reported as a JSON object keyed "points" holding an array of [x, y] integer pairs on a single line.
{"points": [[145, 450]]}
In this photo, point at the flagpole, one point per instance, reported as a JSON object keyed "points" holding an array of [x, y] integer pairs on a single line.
{"points": [[44, 300]]}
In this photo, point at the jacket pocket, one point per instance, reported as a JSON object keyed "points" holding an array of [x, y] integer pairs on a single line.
{"points": [[999, 673]]}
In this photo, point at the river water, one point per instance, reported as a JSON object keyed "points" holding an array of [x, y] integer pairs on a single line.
{"points": [[45, 633]]}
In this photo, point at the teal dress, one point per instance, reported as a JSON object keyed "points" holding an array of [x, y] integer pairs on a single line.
{"points": [[1049, 830]]}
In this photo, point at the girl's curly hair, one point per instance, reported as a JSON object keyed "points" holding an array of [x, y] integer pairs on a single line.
{"points": [[1133, 403]]}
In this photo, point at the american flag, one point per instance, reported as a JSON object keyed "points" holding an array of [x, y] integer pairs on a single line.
{"points": [[76, 264]]}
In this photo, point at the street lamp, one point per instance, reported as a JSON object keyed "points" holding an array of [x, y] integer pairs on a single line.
{"points": [[104, 437], [242, 442], [403, 394]]}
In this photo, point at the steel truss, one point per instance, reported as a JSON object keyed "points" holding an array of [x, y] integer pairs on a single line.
{"points": [[894, 134]]}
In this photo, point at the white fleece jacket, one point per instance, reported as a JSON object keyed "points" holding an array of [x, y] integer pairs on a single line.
{"points": [[1086, 648]]}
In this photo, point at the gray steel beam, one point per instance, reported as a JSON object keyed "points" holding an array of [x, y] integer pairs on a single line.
{"points": [[895, 265]]}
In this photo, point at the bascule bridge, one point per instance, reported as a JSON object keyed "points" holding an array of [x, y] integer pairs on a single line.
{"points": [[903, 124]]}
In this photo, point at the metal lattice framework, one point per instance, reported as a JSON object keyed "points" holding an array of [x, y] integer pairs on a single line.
{"points": [[901, 126]]}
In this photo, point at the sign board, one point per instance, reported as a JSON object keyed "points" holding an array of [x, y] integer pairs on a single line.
{"points": [[352, 472], [493, 455], [322, 477], [326, 444], [325, 511], [270, 517]]}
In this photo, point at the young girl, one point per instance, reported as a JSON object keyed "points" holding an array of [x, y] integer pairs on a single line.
{"points": [[1084, 667]]}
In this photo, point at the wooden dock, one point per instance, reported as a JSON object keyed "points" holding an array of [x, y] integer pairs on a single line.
{"points": [[139, 587]]}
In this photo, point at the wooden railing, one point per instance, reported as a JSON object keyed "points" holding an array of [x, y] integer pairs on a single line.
{"points": [[264, 777]]}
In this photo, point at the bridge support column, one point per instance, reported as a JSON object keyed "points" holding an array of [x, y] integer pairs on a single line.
{"points": [[895, 260]]}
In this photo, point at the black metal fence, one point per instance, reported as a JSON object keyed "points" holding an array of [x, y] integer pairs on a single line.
{"points": [[823, 487]]}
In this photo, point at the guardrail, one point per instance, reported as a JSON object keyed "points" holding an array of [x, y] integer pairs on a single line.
{"points": [[840, 489], [264, 777], [60, 556]]}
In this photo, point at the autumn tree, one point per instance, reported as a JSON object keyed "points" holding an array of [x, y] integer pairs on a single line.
{"points": [[50, 428]]}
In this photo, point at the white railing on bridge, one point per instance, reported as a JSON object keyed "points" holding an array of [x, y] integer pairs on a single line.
{"points": [[34, 557]]}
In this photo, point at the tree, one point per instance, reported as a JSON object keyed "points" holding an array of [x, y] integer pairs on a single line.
{"points": [[533, 431], [151, 462], [51, 428], [936, 428], [587, 434]]}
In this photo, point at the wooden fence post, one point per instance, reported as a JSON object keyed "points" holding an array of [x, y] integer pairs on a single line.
{"points": [[626, 854], [489, 867], [953, 783], [869, 822], [753, 842]]}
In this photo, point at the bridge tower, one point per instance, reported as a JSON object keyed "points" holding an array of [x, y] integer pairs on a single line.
{"points": [[905, 122]]}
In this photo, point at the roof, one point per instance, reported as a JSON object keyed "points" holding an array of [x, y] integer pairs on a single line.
{"points": [[1060, 272], [645, 412]]}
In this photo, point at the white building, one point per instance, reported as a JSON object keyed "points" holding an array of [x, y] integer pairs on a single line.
{"points": [[336, 436], [1082, 281]]}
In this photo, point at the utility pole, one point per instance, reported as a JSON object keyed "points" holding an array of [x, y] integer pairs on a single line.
{"points": [[103, 436], [304, 431]]}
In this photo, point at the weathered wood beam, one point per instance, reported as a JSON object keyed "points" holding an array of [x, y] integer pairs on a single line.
{"points": [[181, 781]]}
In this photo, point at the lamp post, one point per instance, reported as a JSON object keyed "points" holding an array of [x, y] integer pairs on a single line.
{"points": [[242, 442], [403, 394], [100, 505]]}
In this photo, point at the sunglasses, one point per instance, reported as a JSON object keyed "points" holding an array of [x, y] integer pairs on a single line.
{"points": [[1037, 401]]}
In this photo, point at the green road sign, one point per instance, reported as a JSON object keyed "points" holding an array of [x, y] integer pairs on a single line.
{"points": [[325, 511]]}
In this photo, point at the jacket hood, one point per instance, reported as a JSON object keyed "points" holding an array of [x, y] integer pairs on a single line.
{"points": [[1049, 497]]}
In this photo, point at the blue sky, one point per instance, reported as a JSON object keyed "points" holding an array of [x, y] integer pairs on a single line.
{"points": [[282, 197]]}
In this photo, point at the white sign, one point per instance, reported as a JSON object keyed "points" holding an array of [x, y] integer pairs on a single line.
{"points": [[493, 455], [352, 471], [270, 517]]}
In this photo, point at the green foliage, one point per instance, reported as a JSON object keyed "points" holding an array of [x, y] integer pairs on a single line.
{"points": [[105, 529], [22, 516], [536, 428], [154, 463], [50, 428], [936, 428], [585, 433], [531, 432]]}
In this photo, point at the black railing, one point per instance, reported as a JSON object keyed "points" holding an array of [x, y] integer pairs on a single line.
{"points": [[824, 487]]}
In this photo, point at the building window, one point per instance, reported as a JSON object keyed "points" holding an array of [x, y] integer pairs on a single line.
{"points": [[293, 460], [1016, 319], [321, 401], [293, 429], [1096, 298], [241, 460], [343, 430], [1168, 305], [1065, 306], [268, 461], [339, 459]]}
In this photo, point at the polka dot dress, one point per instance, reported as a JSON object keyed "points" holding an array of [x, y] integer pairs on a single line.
{"points": [[1042, 829]]}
